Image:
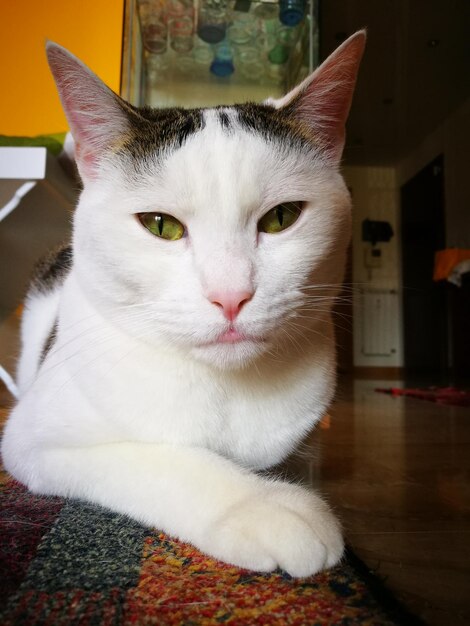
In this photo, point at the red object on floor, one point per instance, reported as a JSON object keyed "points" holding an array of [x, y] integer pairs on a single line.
{"points": [[441, 395]]}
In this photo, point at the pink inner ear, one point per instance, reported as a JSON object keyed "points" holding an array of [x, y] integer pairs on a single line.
{"points": [[93, 111], [324, 99], [92, 137], [87, 162]]}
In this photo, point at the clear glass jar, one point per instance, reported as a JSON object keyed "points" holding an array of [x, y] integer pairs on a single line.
{"points": [[212, 20], [243, 29], [181, 33], [155, 36], [153, 19]]}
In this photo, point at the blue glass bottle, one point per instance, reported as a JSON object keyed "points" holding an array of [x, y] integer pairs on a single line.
{"points": [[291, 12], [222, 65]]}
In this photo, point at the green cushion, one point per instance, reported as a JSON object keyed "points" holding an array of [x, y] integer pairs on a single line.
{"points": [[54, 142]]}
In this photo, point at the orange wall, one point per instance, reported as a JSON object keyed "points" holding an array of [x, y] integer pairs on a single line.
{"points": [[91, 29]]}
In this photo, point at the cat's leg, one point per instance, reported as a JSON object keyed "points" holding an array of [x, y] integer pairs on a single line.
{"points": [[200, 497]]}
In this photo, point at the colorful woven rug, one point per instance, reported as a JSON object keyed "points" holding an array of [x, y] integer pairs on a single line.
{"points": [[65, 563], [441, 395]]}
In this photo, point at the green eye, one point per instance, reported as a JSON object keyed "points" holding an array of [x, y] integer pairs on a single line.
{"points": [[162, 225], [280, 218]]}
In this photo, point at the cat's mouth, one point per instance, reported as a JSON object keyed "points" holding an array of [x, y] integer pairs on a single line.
{"points": [[233, 336], [232, 348]]}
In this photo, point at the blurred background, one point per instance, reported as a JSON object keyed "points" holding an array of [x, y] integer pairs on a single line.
{"points": [[405, 160]]}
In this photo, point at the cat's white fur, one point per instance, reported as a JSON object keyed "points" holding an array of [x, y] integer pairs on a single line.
{"points": [[134, 407]]}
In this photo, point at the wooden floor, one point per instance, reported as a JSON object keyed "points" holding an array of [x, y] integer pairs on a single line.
{"points": [[397, 472]]}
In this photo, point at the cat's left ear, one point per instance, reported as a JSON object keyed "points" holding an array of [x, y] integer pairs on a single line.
{"points": [[323, 99]]}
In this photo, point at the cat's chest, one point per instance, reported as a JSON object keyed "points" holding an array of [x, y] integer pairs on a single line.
{"points": [[249, 418], [129, 391]]}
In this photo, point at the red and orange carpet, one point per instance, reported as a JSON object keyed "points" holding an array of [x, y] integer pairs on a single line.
{"points": [[65, 562]]}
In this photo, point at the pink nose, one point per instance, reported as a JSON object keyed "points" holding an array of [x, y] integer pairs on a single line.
{"points": [[230, 302]]}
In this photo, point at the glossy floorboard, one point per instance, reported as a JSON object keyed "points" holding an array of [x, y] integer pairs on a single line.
{"points": [[397, 472]]}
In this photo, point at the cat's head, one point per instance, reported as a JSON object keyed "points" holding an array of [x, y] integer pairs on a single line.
{"points": [[220, 231]]}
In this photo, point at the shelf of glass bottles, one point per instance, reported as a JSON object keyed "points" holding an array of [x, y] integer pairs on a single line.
{"points": [[211, 42]]}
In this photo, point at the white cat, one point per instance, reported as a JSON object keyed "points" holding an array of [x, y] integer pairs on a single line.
{"points": [[185, 339]]}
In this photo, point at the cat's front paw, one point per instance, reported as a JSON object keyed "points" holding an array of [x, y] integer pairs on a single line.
{"points": [[318, 515], [284, 527]]}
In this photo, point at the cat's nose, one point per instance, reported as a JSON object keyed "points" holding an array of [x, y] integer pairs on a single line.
{"points": [[230, 302]]}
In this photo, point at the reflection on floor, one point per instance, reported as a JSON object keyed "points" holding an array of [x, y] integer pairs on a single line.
{"points": [[397, 472]]}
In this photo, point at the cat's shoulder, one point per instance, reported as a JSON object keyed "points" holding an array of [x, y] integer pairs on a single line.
{"points": [[52, 268]]}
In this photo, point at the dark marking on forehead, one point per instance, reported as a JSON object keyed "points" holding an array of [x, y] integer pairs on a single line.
{"points": [[52, 269], [224, 120], [277, 124], [154, 130]]}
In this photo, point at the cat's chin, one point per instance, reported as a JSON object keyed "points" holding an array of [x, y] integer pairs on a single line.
{"points": [[230, 356]]}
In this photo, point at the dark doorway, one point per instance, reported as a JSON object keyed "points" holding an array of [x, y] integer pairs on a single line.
{"points": [[424, 301]]}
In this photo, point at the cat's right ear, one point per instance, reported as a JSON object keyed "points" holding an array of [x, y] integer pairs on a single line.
{"points": [[96, 115]]}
